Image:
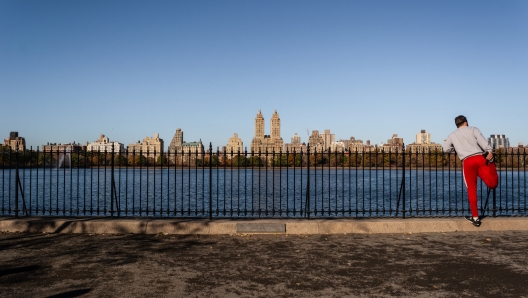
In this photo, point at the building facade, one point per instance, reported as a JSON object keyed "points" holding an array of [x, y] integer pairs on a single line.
{"points": [[103, 144], [59, 148], [186, 151], [150, 147], [423, 137], [328, 139], [15, 142], [423, 144], [394, 144], [499, 141], [234, 146], [295, 146], [338, 146], [354, 145], [316, 142], [267, 143]]}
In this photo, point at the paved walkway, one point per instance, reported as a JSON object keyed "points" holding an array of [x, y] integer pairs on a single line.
{"points": [[275, 226]]}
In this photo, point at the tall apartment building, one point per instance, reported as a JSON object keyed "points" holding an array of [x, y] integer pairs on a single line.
{"points": [[316, 142], [328, 139], [499, 141], [103, 144], [179, 147], [423, 144], [15, 142], [234, 146], [423, 137], [267, 143], [150, 147]]}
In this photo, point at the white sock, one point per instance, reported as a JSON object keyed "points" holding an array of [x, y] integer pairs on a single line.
{"points": [[475, 218]]}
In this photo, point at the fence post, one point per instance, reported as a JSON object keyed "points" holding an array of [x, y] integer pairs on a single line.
{"points": [[112, 187], [307, 205], [210, 180], [18, 185], [16, 180], [403, 181], [494, 193]]}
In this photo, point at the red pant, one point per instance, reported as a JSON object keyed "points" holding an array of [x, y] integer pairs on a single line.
{"points": [[472, 167]]}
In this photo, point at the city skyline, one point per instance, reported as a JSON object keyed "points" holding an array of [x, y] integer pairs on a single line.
{"points": [[368, 69], [421, 137]]}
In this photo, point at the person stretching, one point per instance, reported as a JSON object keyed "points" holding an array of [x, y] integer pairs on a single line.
{"points": [[477, 161]]}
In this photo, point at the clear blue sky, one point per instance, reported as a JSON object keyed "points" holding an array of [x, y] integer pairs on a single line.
{"points": [[72, 70]]}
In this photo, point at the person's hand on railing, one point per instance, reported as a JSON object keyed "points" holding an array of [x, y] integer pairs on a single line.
{"points": [[489, 157]]}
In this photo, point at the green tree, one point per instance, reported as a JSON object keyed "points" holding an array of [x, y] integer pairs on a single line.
{"points": [[138, 160], [279, 161], [120, 160], [211, 160], [80, 160], [255, 161], [46, 159], [162, 160], [239, 161]]}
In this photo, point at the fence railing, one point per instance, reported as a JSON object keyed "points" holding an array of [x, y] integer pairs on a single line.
{"points": [[214, 184]]}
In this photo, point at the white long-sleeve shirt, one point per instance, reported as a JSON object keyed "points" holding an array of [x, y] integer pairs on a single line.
{"points": [[466, 141]]}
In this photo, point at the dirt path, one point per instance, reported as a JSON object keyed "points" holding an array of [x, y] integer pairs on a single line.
{"points": [[487, 264]]}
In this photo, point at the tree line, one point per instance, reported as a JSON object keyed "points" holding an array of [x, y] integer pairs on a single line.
{"points": [[376, 159]]}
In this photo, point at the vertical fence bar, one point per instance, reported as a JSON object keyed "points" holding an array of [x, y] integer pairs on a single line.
{"points": [[112, 182], [3, 154], [105, 195], [403, 180], [280, 182], [287, 183], [246, 198], [17, 179], [238, 181], [301, 184], [210, 180], [272, 181], [154, 162], [307, 204], [252, 182], [202, 161], [383, 209], [63, 181], [356, 179], [524, 176], [266, 181]]}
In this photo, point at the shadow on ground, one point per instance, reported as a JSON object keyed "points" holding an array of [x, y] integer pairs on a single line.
{"points": [[487, 264]]}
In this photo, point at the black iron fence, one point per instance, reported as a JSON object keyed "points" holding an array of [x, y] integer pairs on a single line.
{"points": [[213, 184]]}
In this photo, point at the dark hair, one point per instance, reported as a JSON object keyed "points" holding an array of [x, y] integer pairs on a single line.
{"points": [[459, 120]]}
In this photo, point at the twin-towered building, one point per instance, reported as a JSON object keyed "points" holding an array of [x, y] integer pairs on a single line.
{"points": [[267, 143]]}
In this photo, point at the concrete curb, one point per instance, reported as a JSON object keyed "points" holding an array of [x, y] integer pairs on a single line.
{"points": [[254, 226]]}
